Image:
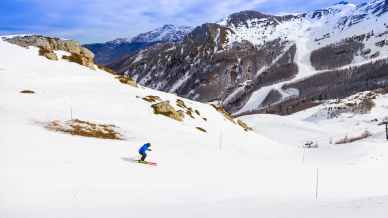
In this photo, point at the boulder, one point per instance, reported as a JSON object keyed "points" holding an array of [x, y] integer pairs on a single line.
{"points": [[164, 108], [69, 46], [49, 54]]}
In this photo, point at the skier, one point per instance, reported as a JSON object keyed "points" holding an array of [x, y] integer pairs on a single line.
{"points": [[143, 150]]}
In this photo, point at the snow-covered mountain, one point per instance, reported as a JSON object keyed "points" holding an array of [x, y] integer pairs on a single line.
{"points": [[254, 62], [167, 33], [111, 51], [54, 161]]}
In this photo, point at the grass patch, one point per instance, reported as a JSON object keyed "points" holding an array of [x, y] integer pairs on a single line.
{"points": [[86, 129]]}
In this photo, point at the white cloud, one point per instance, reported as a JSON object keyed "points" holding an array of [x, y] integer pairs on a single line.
{"points": [[99, 20]]}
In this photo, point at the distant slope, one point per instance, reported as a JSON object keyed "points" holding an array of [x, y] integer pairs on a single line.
{"points": [[108, 52]]}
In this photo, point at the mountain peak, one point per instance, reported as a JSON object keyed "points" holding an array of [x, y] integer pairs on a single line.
{"points": [[243, 16], [166, 33]]}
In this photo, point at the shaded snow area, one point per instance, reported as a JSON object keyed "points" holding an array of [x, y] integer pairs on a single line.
{"points": [[226, 172]]}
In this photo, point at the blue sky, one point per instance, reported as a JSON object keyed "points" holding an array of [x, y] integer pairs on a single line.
{"points": [[102, 20]]}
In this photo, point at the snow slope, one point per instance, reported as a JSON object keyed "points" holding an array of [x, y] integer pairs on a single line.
{"points": [[226, 172]]}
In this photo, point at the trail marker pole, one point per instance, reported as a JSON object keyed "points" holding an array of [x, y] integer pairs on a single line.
{"points": [[316, 184], [385, 122], [220, 141]]}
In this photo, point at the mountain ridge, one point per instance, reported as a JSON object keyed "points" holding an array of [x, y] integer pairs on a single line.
{"points": [[111, 51]]}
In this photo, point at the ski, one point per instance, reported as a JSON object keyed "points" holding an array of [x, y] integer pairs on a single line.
{"points": [[146, 162]]}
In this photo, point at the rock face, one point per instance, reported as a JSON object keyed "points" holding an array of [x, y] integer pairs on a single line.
{"points": [[201, 68], [47, 47]]}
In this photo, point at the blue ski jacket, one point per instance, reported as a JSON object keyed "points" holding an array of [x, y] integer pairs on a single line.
{"points": [[145, 148]]}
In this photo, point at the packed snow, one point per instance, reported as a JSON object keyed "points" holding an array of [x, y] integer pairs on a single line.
{"points": [[225, 172]]}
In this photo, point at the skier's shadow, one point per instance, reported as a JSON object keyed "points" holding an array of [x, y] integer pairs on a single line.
{"points": [[126, 159]]}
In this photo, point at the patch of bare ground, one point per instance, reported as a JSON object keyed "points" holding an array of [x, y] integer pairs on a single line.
{"points": [[27, 92], [85, 128]]}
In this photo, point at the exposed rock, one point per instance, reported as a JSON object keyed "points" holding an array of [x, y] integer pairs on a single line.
{"points": [[49, 54], [182, 113], [79, 59], [244, 125], [180, 103], [226, 114], [190, 114], [47, 46], [152, 98], [87, 54], [164, 108], [69, 46], [27, 92], [201, 129]]}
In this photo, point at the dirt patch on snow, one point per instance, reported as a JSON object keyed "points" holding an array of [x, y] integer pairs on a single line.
{"points": [[27, 92], [85, 128]]}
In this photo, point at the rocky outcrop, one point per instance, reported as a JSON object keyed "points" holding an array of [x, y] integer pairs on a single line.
{"points": [[164, 108], [48, 45]]}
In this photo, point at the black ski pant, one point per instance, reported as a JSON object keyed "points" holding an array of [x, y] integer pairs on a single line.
{"points": [[143, 156]]}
